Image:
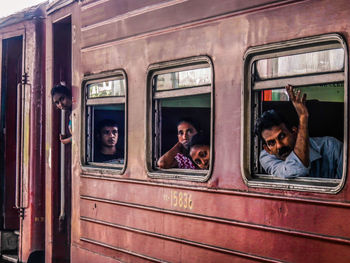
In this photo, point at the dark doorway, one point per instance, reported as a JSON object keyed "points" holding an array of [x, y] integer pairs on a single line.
{"points": [[62, 72], [12, 49]]}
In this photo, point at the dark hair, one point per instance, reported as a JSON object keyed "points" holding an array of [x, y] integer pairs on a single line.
{"points": [[200, 139], [59, 88], [106, 123], [268, 120], [190, 121]]}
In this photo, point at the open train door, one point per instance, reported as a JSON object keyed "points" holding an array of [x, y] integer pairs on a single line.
{"points": [[21, 137], [11, 116]]}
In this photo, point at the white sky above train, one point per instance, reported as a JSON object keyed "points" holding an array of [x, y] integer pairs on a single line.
{"points": [[9, 7]]}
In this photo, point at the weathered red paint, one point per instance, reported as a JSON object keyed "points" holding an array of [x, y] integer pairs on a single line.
{"points": [[30, 26], [130, 216], [58, 57]]}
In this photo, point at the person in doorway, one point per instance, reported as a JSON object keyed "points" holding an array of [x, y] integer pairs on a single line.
{"points": [[62, 98], [107, 139], [178, 155], [289, 152]]}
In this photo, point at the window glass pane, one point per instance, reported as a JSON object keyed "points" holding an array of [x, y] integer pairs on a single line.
{"points": [[327, 92], [196, 101], [183, 79], [307, 63], [108, 88]]}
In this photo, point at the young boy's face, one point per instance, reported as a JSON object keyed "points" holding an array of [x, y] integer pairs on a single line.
{"points": [[200, 155], [61, 101], [109, 136]]}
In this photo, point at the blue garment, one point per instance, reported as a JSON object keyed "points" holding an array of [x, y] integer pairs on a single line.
{"points": [[70, 124], [326, 161]]}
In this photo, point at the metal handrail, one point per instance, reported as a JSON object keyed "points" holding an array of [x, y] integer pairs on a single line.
{"points": [[18, 145], [62, 170]]}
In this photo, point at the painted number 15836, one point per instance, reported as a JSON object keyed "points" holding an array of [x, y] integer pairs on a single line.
{"points": [[181, 200]]}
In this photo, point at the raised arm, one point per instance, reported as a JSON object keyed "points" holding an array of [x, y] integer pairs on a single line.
{"points": [[301, 148]]}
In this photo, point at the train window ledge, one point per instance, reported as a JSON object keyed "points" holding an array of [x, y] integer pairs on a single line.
{"points": [[297, 184], [318, 66], [106, 165], [180, 174]]}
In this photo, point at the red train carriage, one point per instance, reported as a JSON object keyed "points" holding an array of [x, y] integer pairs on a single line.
{"points": [[142, 66], [22, 135], [145, 65]]}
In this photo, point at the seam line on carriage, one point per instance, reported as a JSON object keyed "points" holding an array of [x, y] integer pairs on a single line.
{"points": [[179, 240], [222, 191], [223, 221], [93, 4], [185, 25], [132, 13], [121, 249], [164, 5], [77, 246], [56, 5]]}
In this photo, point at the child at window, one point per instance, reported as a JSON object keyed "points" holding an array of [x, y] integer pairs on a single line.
{"points": [[62, 98], [107, 140], [200, 151]]}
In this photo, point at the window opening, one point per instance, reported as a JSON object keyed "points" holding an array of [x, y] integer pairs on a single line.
{"points": [[182, 119], [105, 121], [317, 69]]}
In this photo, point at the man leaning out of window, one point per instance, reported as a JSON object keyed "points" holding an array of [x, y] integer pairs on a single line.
{"points": [[289, 152]]}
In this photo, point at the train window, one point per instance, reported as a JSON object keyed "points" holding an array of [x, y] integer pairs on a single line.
{"points": [[180, 122], [105, 121], [276, 153]]}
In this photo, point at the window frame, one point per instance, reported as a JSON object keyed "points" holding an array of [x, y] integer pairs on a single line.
{"points": [[291, 47], [103, 168], [167, 67]]}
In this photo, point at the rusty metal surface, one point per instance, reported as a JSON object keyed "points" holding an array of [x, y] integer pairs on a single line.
{"points": [[89, 252], [32, 225], [34, 240], [56, 5], [48, 147], [123, 22], [99, 11], [263, 213], [58, 67], [223, 220], [24, 15]]}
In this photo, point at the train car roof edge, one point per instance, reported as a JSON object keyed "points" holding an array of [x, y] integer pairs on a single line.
{"points": [[24, 15]]}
